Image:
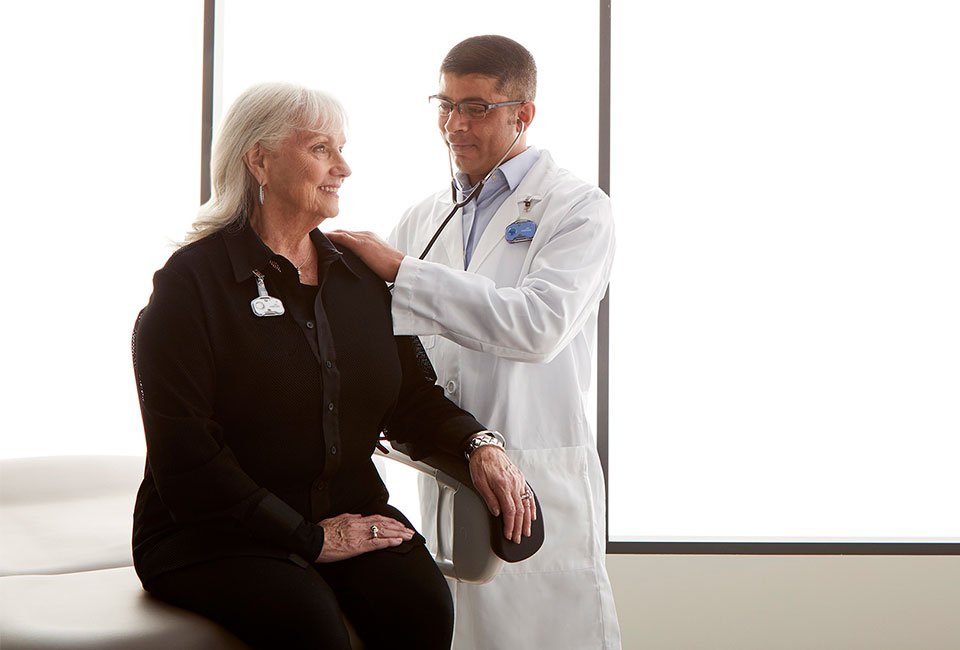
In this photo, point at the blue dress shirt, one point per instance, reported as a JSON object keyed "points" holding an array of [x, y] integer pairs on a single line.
{"points": [[477, 214]]}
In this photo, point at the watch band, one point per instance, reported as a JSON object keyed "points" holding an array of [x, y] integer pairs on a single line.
{"points": [[482, 439]]}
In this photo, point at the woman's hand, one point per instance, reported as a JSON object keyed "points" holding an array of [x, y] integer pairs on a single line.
{"points": [[501, 485], [349, 535], [382, 258]]}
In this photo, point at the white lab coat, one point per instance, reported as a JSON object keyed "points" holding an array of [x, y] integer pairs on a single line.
{"points": [[512, 340]]}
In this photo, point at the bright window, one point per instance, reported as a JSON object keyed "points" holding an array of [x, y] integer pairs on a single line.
{"points": [[101, 171], [785, 361]]}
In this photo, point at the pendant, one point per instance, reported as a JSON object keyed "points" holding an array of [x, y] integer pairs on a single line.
{"points": [[265, 304]]}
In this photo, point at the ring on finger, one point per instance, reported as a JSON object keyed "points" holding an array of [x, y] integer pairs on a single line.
{"points": [[375, 531], [526, 494]]}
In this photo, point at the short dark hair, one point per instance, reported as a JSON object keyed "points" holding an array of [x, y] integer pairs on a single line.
{"points": [[495, 56]]}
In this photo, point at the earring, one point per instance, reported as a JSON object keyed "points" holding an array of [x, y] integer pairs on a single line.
{"points": [[261, 195]]}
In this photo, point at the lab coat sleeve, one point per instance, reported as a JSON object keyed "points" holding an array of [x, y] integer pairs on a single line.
{"points": [[197, 475], [530, 322]]}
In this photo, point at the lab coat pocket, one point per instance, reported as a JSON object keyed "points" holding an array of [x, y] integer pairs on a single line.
{"points": [[560, 479]]}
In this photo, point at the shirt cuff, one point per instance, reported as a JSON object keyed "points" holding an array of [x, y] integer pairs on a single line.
{"points": [[410, 278], [274, 519], [309, 537]]}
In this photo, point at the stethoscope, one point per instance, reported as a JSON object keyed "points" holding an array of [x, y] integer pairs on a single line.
{"points": [[473, 194]]}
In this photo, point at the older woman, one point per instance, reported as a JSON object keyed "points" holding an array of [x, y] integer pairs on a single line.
{"points": [[267, 369]]}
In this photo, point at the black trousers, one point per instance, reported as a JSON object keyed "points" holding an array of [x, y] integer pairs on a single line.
{"points": [[394, 600]]}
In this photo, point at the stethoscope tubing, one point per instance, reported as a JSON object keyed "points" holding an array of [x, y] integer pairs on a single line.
{"points": [[473, 194]]}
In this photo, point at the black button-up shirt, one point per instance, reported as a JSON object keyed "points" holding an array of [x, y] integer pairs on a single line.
{"points": [[259, 427]]}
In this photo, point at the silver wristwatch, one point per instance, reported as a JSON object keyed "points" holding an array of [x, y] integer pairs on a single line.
{"points": [[482, 439]]}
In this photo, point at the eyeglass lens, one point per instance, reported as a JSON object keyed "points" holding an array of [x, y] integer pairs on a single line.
{"points": [[467, 109]]}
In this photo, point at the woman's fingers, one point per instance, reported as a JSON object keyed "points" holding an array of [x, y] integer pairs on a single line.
{"points": [[387, 527], [501, 485], [529, 511], [493, 505], [349, 535], [381, 542], [518, 527]]}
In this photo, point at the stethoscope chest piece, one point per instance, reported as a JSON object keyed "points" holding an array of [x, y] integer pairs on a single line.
{"points": [[265, 304], [520, 230]]}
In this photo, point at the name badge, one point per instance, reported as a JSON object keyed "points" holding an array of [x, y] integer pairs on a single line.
{"points": [[520, 230], [265, 304]]}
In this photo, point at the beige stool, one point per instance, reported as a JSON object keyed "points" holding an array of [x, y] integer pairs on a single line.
{"points": [[105, 609], [66, 569]]}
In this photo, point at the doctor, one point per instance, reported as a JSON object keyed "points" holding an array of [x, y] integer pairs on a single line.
{"points": [[506, 306]]}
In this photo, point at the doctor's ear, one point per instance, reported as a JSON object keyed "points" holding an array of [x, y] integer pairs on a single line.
{"points": [[525, 115]]}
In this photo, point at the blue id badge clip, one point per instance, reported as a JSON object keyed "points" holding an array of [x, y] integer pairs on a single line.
{"points": [[520, 230]]}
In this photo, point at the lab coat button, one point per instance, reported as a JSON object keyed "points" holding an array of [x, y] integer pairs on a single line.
{"points": [[451, 386]]}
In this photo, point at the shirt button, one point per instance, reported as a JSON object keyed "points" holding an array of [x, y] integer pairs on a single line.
{"points": [[333, 450], [328, 364], [320, 486], [330, 406], [451, 386], [309, 324]]}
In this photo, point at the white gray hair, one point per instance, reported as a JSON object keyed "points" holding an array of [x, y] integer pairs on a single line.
{"points": [[265, 113]]}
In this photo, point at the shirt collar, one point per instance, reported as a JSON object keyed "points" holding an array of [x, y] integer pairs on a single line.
{"points": [[511, 171], [247, 252]]}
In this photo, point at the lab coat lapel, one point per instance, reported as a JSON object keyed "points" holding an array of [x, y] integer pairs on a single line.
{"points": [[448, 249], [509, 211]]}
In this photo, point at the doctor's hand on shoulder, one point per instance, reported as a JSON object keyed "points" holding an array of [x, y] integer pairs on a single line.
{"points": [[382, 258], [503, 488]]}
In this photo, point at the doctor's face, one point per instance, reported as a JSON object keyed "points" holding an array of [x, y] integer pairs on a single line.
{"points": [[477, 145]]}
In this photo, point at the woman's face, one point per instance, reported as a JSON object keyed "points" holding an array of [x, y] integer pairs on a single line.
{"points": [[304, 174]]}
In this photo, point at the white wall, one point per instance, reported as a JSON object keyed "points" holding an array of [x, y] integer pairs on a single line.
{"points": [[737, 602]]}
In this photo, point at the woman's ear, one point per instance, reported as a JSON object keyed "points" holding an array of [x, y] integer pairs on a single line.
{"points": [[253, 159]]}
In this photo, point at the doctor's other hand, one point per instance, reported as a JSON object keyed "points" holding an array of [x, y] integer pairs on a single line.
{"points": [[382, 258], [502, 487], [349, 535]]}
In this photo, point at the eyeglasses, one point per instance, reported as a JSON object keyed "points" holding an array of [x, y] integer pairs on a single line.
{"points": [[469, 110]]}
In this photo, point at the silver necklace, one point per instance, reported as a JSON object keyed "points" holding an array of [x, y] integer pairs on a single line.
{"points": [[302, 263]]}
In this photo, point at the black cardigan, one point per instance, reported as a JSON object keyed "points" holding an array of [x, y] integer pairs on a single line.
{"points": [[254, 431]]}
